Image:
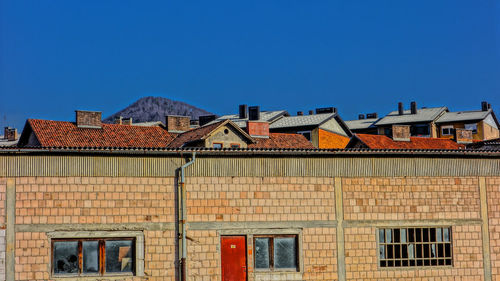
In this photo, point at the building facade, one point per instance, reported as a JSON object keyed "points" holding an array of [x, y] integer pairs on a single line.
{"points": [[102, 214]]}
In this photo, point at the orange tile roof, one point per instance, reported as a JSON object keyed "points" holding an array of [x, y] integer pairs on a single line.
{"points": [[384, 142], [67, 134], [331, 140], [280, 140]]}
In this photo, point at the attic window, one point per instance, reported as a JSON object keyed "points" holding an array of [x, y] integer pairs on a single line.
{"points": [[217, 145], [226, 131]]}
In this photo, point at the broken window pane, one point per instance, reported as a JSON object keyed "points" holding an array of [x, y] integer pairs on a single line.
{"points": [[285, 252], [90, 256], [65, 257], [261, 252], [119, 256]]}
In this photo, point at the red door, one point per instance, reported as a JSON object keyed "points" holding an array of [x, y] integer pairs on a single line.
{"points": [[233, 258]]}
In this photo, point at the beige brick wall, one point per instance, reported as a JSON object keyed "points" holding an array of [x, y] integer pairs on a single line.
{"points": [[260, 199], [203, 256], [319, 253], [159, 258], [493, 193], [361, 258], [94, 200], [411, 198]]}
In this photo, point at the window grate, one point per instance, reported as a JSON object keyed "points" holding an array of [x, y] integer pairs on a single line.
{"points": [[409, 247]]}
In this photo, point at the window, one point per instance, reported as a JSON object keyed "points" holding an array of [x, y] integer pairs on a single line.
{"points": [[407, 247], [472, 127], [420, 130], [306, 134], [276, 252], [217, 145], [447, 130], [235, 145], [93, 256]]}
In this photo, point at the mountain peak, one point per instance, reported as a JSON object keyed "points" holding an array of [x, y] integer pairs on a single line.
{"points": [[149, 109]]}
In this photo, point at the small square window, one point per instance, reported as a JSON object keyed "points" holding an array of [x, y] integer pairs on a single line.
{"points": [[217, 145], [276, 252], [472, 127], [447, 130]]}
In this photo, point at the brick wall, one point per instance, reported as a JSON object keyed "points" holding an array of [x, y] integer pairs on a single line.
{"points": [[411, 198], [493, 191], [88, 118]]}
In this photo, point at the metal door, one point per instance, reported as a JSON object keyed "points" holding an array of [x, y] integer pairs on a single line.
{"points": [[233, 258]]}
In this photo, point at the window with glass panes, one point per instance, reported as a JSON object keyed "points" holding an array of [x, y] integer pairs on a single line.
{"points": [[93, 256], [276, 252], [415, 246]]}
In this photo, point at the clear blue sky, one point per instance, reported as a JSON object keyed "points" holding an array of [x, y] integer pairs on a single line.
{"points": [[360, 56]]}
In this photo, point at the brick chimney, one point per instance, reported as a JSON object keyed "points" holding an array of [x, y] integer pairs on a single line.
{"points": [[10, 134], [258, 129], [463, 135], [177, 124], [88, 119], [401, 132]]}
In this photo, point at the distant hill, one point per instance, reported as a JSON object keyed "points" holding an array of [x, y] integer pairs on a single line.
{"points": [[155, 108]]}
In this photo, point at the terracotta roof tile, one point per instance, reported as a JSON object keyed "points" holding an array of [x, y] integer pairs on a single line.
{"points": [[67, 134], [384, 142], [280, 140]]}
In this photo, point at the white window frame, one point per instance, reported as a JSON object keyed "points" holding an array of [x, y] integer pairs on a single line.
{"points": [[449, 127]]}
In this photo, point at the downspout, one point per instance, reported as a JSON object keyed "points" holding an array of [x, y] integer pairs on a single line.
{"points": [[182, 219]]}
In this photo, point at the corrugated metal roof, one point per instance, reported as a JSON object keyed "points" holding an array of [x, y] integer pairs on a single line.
{"points": [[463, 116], [361, 124], [423, 115], [300, 121], [268, 116]]}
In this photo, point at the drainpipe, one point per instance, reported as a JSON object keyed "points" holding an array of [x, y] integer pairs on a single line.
{"points": [[182, 219]]}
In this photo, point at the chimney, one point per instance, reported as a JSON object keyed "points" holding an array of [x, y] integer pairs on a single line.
{"points": [[413, 107], [243, 108], [118, 120], [463, 136], [401, 132], [400, 108], [88, 119], [127, 121], [300, 113], [10, 134], [254, 113], [489, 105], [371, 115], [484, 106], [203, 120], [311, 112], [176, 124], [361, 116], [326, 110], [258, 129]]}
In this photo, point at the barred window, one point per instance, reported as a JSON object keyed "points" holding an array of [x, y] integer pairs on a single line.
{"points": [[406, 247]]}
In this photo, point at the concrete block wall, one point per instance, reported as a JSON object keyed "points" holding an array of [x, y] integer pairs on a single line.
{"points": [[493, 189]]}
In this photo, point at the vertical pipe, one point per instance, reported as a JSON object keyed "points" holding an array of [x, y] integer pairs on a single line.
{"points": [[182, 219]]}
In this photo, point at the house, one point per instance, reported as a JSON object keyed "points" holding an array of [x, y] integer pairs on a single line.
{"points": [[401, 139], [200, 213], [483, 123], [89, 131], [422, 121]]}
